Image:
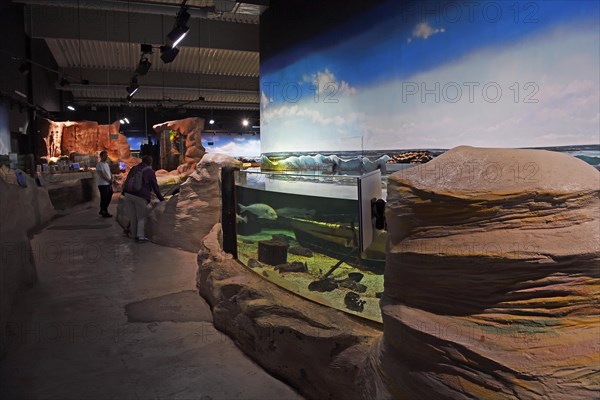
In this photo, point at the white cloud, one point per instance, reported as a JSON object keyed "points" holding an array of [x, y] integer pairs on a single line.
{"points": [[264, 100], [424, 31], [245, 148], [326, 84]]}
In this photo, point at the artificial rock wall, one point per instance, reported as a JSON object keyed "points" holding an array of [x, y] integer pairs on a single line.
{"points": [[491, 290], [83, 138], [492, 279], [22, 210], [190, 129], [185, 218]]}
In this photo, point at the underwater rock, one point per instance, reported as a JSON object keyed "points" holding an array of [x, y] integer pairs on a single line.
{"points": [[492, 271], [295, 266], [356, 276], [272, 252], [282, 238], [252, 263], [352, 285], [353, 302], [300, 251], [323, 285]]}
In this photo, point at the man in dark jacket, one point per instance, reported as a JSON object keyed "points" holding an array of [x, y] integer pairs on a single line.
{"points": [[136, 204]]}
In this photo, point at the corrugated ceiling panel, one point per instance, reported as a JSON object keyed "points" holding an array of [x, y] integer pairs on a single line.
{"points": [[71, 53]]}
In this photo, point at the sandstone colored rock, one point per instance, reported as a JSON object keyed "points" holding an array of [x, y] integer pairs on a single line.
{"points": [[316, 349], [191, 130], [184, 219], [85, 137], [22, 210], [491, 281]]}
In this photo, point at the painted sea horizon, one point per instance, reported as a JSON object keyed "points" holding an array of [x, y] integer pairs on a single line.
{"points": [[589, 153]]}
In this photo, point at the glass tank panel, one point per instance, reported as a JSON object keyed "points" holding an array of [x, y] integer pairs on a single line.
{"points": [[301, 232]]}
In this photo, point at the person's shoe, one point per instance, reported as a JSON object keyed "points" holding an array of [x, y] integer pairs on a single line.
{"points": [[142, 239], [107, 215]]}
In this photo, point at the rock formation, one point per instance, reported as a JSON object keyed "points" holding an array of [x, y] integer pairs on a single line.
{"points": [[412, 157], [190, 130], [316, 349], [21, 211], [84, 138], [184, 219], [492, 279]]}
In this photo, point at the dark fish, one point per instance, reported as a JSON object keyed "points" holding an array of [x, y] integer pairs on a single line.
{"points": [[301, 251], [295, 266]]}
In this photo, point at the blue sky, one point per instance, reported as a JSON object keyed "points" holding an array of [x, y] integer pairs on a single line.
{"points": [[391, 49], [546, 51]]}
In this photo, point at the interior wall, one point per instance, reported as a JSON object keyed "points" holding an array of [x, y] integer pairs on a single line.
{"points": [[402, 75], [38, 86]]}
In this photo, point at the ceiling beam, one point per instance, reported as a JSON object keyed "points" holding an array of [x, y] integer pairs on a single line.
{"points": [[118, 26], [154, 78]]}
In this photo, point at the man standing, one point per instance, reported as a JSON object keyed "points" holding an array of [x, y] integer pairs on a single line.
{"points": [[104, 184], [136, 202]]}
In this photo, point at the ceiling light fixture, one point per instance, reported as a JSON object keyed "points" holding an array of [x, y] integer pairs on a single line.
{"points": [[25, 68], [245, 122], [122, 122], [212, 122], [177, 34], [143, 67], [132, 88], [168, 54], [70, 107], [126, 120]]}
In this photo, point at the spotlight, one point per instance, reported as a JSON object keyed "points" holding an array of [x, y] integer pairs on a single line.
{"points": [[132, 88], [70, 107], [245, 122], [212, 122], [126, 120], [177, 35], [25, 68], [146, 48], [143, 67], [121, 121], [168, 54]]}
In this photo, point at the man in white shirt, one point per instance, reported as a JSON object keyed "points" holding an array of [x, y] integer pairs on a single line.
{"points": [[104, 184]]}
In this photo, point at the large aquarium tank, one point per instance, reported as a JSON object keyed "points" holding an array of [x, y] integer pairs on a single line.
{"points": [[302, 231]]}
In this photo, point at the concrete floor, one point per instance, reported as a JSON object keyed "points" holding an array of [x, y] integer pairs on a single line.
{"points": [[114, 319]]}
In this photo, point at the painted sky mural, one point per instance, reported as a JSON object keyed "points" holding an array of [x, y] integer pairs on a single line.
{"points": [[233, 145], [438, 75]]}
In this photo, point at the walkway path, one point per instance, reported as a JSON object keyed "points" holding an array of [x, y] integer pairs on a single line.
{"points": [[114, 319]]}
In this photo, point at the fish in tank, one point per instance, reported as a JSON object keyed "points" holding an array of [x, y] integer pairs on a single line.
{"points": [[308, 243]]}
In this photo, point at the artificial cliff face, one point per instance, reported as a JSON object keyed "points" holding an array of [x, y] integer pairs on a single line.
{"points": [[186, 131], [491, 276], [83, 138]]}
